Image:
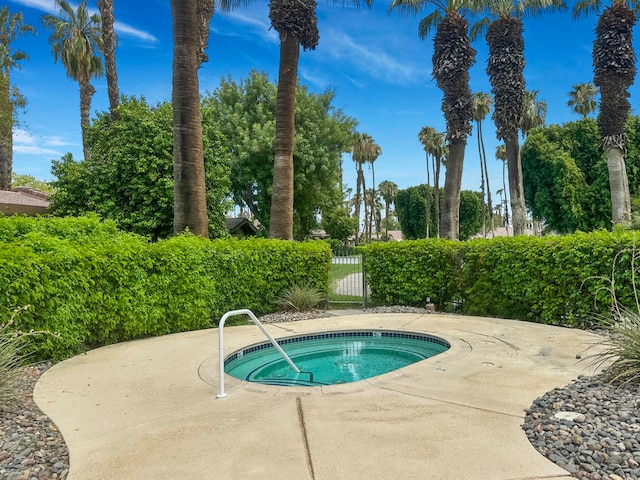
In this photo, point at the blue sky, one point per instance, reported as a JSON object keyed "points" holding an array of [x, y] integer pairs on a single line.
{"points": [[380, 69]]}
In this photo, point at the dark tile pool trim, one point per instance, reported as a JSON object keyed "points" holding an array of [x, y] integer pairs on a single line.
{"points": [[339, 334]]}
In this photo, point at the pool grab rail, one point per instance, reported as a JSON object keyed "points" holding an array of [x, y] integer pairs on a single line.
{"points": [[254, 319]]}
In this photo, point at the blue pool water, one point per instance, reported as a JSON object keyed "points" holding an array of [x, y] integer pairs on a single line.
{"points": [[332, 357]]}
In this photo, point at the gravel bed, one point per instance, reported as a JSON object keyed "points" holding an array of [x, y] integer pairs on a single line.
{"points": [[589, 427], [31, 447]]}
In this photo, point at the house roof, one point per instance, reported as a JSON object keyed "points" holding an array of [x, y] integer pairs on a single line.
{"points": [[23, 201], [240, 224]]}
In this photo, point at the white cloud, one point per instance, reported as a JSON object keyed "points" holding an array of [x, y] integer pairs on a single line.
{"points": [[35, 150], [27, 143], [56, 141], [23, 137], [129, 31], [48, 6], [371, 60], [258, 26], [121, 28]]}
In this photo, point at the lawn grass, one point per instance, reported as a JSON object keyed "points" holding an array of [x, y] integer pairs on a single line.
{"points": [[338, 272]]}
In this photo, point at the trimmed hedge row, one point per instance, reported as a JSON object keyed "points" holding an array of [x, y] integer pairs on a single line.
{"points": [[95, 286], [558, 280]]}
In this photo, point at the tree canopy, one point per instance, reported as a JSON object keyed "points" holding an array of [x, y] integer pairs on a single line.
{"points": [[411, 211], [129, 176], [566, 178], [244, 115]]}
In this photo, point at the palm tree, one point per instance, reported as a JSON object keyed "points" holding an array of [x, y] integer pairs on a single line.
{"points": [[375, 152], [365, 150], [534, 114], [109, 39], [190, 36], [505, 68], [388, 191], [582, 99], [296, 23], [481, 107], [11, 25], [76, 40], [437, 148], [614, 64], [452, 58], [501, 154], [425, 137]]}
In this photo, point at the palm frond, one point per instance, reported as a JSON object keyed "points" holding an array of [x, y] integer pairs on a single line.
{"points": [[479, 28], [428, 23], [584, 8], [406, 8]]}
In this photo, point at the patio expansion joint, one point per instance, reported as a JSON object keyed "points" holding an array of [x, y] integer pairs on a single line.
{"points": [[448, 402], [305, 437]]}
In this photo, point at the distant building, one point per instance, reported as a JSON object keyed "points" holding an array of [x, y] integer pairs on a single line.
{"points": [[24, 201], [240, 227]]}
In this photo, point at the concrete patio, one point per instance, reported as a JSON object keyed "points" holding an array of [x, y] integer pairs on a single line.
{"points": [[147, 409]]}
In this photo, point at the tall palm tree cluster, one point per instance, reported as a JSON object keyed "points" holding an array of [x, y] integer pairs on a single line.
{"points": [[516, 109], [78, 39], [365, 150]]}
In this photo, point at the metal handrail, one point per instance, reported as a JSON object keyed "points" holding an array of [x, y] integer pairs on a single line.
{"points": [[254, 319]]}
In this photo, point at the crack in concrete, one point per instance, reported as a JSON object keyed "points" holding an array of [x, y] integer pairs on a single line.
{"points": [[305, 438]]}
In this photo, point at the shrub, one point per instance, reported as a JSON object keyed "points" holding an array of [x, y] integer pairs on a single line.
{"points": [[414, 272], [110, 287]]}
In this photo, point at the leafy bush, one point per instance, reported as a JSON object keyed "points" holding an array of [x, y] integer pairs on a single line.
{"points": [[414, 272], [558, 280], [114, 286]]}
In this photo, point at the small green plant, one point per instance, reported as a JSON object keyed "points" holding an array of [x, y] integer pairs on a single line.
{"points": [[301, 298], [621, 350], [12, 343]]}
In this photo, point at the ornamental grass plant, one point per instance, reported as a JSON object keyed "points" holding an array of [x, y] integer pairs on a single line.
{"points": [[12, 356], [620, 350], [301, 298]]}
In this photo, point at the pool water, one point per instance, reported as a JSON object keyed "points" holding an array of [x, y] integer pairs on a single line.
{"points": [[332, 357]]}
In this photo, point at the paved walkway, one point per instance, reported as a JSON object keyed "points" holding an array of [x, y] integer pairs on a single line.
{"points": [[148, 410]]}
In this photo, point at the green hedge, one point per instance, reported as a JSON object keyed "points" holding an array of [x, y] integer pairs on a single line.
{"points": [[94, 285], [558, 280], [414, 272]]}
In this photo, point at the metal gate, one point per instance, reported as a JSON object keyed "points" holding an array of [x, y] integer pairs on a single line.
{"points": [[348, 280]]}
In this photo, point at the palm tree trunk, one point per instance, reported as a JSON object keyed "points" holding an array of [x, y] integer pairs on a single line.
{"points": [[358, 198], [516, 192], [428, 198], [482, 177], [452, 185], [86, 92], [386, 221], [281, 219], [189, 204], [109, 40], [6, 131], [436, 192], [486, 177], [373, 200], [619, 186]]}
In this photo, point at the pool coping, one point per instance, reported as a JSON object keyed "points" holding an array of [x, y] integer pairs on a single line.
{"points": [[142, 410]]}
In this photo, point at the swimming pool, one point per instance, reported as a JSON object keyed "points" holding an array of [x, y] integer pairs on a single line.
{"points": [[332, 357]]}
